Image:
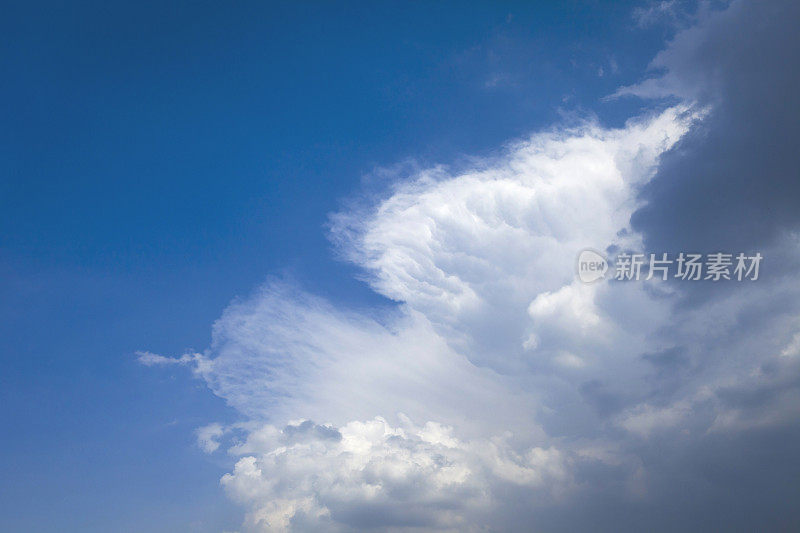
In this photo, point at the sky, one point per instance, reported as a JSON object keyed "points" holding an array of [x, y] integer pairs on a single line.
{"points": [[311, 267]]}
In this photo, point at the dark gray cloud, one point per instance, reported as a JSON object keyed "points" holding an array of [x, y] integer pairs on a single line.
{"points": [[734, 182]]}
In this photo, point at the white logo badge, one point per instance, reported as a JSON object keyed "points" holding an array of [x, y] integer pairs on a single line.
{"points": [[591, 266]]}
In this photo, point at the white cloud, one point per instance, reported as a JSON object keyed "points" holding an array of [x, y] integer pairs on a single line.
{"points": [[492, 336], [644, 419], [208, 437], [472, 251], [659, 11], [793, 348], [402, 476], [197, 361]]}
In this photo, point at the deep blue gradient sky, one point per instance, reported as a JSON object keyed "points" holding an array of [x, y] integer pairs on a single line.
{"points": [[159, 159]]}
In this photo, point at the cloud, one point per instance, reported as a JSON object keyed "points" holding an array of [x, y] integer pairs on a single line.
{"points": [[371, 473], [472, 251], [208, 437], [653, 12], [285, 355], [480, 263], [196, 360], [644, 419], [501, 394], [732, 182]]}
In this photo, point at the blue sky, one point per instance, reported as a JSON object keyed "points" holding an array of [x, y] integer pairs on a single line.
{"points": [[160, 161]]}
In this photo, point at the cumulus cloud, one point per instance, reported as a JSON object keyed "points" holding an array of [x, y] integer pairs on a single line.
{"points": [[472, 251], [371, 473]]}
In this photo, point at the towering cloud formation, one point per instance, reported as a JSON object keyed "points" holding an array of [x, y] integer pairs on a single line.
{"points": [[500, 392], [492, 333]]}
